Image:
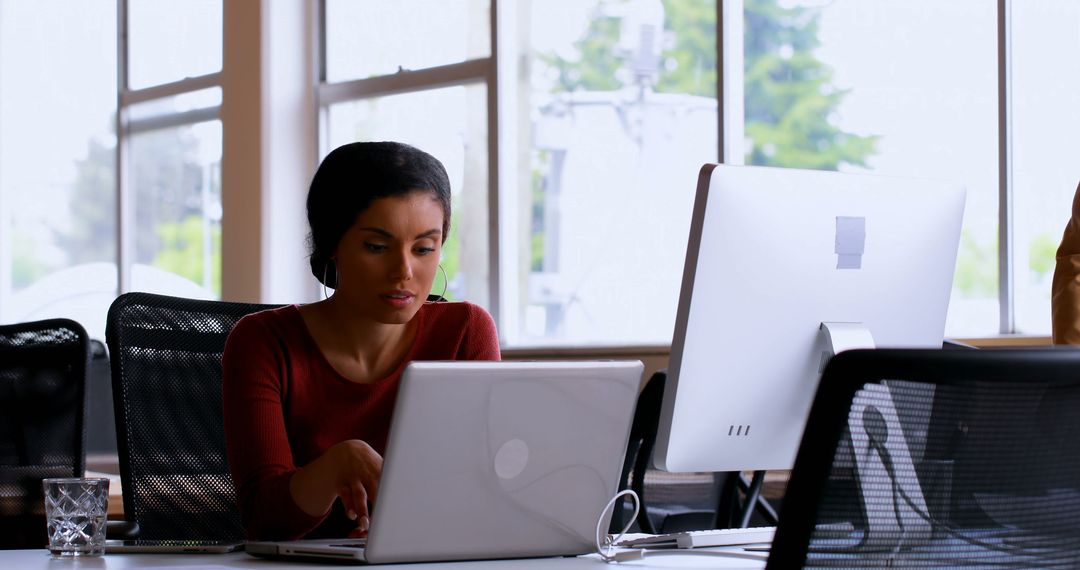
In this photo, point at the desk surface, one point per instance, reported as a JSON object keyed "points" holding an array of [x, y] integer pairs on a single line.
{"points": [[41, 560]]}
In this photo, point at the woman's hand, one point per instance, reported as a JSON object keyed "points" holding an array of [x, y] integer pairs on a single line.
{"points": [[349, 470], [357, 468]]}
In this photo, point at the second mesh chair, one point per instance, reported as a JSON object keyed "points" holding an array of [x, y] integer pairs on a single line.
{"points": [[936, 459], [166, 373], [42, 409]]}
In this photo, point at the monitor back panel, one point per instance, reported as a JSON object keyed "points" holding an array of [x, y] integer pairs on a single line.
{"points": [[772, 254]]}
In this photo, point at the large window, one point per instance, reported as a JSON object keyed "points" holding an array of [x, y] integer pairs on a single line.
{"points": [[919, 89], [617, 113], [433, 94], [572, 130], [1045, 109], [605, 109], [57, 160], [897, 88], [76, 112], [170, 147]]}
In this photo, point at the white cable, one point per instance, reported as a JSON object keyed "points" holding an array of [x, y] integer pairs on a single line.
{"points": [[604, 546], [605, 550]]}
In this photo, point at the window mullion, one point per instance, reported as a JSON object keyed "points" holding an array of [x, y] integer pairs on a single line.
{"points": [[191, 84], [493, 129], [124, 208], [1006, 293], [472, 71], [173, 120]]}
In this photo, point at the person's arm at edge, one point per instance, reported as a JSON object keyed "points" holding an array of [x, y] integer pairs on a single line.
{"points": [[260, 458], [1065, 287]]}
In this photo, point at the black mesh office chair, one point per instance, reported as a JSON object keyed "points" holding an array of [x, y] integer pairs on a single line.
{"points": [[985, 472], [42, 409], [166, 374]]}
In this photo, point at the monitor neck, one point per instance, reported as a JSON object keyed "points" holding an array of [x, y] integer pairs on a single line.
{"points": [[839, 337]]}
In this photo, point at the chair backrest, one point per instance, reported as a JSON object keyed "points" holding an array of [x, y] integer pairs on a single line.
{"points": [[165, 354], [42, 409], [938, 458]]}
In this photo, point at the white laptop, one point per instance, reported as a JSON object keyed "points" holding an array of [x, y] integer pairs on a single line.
{"points": [[493, 460]]}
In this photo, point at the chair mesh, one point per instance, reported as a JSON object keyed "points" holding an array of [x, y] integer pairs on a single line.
{"points": [[42, 408], [952, 463], [166, 367]]}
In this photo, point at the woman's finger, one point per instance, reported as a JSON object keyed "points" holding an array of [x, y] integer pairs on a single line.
{"points": [[371, 485], [371, 481], [360, 495], [348, 501]]}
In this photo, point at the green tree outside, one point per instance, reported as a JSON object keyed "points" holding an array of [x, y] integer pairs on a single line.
{"points": [[789, 96], [976, 268], [1042, 256], [182, 250], [166, 181]]}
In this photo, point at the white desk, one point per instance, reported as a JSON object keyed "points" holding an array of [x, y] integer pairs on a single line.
{"points": [[40, 560]]}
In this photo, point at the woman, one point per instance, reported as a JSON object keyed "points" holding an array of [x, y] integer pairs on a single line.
{"points": [[309, 389]]}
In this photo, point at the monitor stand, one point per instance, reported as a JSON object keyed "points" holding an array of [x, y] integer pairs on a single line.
{"points": [[889, 490], [834, 337], [838, 337]]}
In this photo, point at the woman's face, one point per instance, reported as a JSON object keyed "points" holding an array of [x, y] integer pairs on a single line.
{"points": [[387, 260]]}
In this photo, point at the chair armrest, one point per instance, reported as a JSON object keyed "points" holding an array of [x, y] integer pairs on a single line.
{"points": [[121, 530]]}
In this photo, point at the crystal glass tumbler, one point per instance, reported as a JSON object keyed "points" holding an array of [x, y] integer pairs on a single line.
{"points": [[75, 510]]}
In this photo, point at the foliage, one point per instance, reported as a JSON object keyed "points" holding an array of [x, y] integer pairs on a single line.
{"points": [[789, 96], [182, 250], [166, 184], [1042, 255], [538, 178], [92, 235], [450, 261], [976, 268], [26, 267], [691, 64], [597, 62]]}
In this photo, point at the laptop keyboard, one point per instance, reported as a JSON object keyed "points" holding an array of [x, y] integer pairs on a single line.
{"points": [[703, 538]]}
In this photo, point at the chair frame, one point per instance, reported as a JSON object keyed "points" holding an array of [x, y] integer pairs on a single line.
{"points": [[79, 464], [115, 344], [848, 372], [77, 468]]}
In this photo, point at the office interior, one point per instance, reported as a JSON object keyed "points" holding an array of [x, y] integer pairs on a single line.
{"points": [[168, 147]]}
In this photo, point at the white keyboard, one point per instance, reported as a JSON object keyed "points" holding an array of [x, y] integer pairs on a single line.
{"points": [[701, 538]]}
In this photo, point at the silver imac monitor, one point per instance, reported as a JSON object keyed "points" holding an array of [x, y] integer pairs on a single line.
{"points": [[785, 267]]}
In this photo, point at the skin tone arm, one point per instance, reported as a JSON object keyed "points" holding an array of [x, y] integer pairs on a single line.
{"points": [[349, 470]]}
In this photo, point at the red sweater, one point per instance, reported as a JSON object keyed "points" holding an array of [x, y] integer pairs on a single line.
{"points": [[285, 405]]}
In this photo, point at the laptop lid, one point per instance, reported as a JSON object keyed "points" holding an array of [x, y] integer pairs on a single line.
{"points": [[498, 460]]}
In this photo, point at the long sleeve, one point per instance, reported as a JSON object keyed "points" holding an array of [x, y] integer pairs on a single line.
{"points": [[1065, 288], [481, 340], [260, 456]]}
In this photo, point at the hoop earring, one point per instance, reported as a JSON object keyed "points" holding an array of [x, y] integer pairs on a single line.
{"points": [[325, 273], [445, 283]]}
